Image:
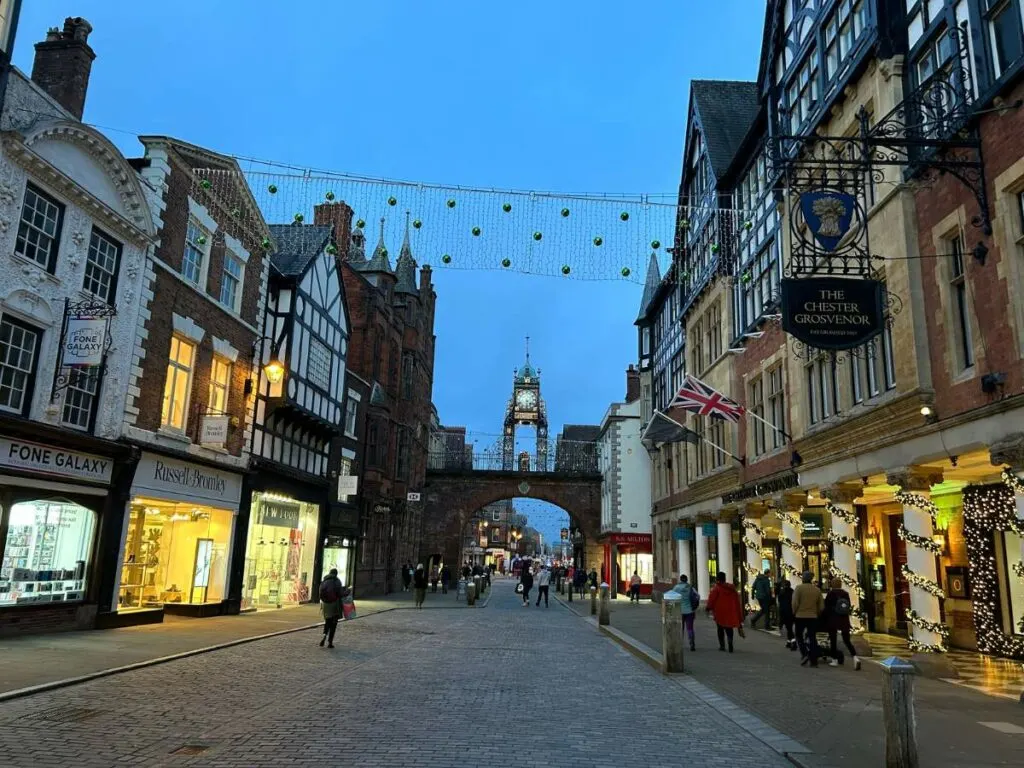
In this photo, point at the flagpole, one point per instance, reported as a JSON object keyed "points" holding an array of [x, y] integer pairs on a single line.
{"points": [[763, 420], [719, 448]]}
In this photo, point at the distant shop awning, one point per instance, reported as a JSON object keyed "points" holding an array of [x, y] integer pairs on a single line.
{"points": [[663, 429]]}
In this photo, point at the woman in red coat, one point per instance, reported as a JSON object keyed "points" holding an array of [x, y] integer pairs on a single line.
{"points": [[724, 601]]}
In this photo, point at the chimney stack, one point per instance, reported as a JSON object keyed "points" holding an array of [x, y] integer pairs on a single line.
{"points": [[63, 63], [632, 384], [339, 216]]}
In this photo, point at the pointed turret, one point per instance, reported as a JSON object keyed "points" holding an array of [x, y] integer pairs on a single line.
{"points": [[405, 268], [650, 286], [357, 249], [379, 262]]}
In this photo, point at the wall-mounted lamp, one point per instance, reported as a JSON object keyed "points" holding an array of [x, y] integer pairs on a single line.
{"points": [[940, 538], [274, 370], [929, 414], [871, 541]]}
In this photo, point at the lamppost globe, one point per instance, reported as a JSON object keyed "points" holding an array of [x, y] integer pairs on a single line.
{"points": [[274, 371]]}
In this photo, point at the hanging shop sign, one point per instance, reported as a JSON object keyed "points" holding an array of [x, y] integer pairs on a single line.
{"points": [[832, 312], [51, 460], [348, 485], [85, 340], [213, 430], [829, 215]]}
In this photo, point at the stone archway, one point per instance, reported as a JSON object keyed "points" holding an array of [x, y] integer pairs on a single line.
{"points": [[451, 498]]}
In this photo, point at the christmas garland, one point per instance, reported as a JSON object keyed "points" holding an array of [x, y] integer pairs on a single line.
{"points": [[848, 581], [919, 541], [922, 582], [1018, 568], [749, 544], [795, 546], [846, 541], [846, 515], [750, 525], [917, 501], [935, 627], [793, 518], [1013, 482], [789, 570]]}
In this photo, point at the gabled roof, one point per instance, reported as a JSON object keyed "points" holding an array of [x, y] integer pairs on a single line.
{"points": [[650, 286], [297, 246], [725, 110]]}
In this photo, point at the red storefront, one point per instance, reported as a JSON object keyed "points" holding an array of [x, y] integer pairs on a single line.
{"points": [[625, 553]]}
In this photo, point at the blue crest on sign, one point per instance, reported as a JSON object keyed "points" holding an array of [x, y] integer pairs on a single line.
{"points": [[829, 215]]}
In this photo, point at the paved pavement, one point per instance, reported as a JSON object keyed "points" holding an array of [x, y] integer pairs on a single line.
{"points": [[427, 688], [43, 659], [834, 711]]}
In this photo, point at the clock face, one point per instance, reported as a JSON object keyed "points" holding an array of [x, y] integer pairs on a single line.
{"points": [[526, 399]]}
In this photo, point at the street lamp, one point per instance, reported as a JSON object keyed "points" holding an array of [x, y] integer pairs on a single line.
{"points": [[273, 369]]}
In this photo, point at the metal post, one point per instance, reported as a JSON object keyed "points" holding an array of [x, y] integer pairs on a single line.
{"points": [[572, 588], [604, 617], [593, 601], [671, 633], [470, 594], [898, 713]]}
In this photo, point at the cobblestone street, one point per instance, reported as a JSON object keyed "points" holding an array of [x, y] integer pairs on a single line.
{"points": [[425, 688]]}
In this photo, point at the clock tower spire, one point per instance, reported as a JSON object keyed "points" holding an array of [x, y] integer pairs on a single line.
{"points": [[525, 408]]}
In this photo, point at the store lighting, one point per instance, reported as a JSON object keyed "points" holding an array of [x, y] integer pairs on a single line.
{"points": [[871, 541], [939, 539]]}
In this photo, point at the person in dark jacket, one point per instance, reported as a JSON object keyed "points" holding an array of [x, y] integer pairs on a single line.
{"points": [[446, 579], [838, 608], [580, 581], [419, 584], [331, 594], [762, 589], [526, 579], [784, 594], [593, 577], [406, 576]]}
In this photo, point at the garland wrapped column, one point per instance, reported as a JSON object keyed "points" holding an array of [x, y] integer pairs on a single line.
{"points": [[703, 580], [793, 550], [846, 545], [753, 540], [928, 633]]}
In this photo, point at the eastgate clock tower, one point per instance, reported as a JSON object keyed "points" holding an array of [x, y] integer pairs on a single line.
{"points": [[525, 408]]}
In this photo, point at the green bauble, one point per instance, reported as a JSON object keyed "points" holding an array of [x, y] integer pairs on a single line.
{"points": [[714, 247], [329, 196], [537, 235], [565, 212], [417, 224], [655, 244], [201, 240], [236, 212], [565, 269], [624, 215], [392, 201], [506, 262], [265, 242], [506, 207], [384, 252], [331, 249], [272, 189], [625, 271], [205, 184], [451, 203], [476, 231], [298, 218], [748, 225], [684, 224], [360, 224], [598, 241], [446, 259]]}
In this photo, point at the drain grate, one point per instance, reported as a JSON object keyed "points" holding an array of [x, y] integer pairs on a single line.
{"points": [[64, 715], [190, 749]]}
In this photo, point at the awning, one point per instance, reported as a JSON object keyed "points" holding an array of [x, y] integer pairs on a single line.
{"points": [[662, 429]]}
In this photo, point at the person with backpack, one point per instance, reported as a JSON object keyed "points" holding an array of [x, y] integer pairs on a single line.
{"points": [[689, 602], [838, 608], [419, 583], [762, 589], [785, 601], [330, 606]]}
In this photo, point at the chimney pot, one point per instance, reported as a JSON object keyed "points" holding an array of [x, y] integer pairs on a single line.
{"points": [[63, 64], [632, 384]]}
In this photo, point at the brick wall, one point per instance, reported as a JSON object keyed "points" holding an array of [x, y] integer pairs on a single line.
{"points": [[36, 619]]}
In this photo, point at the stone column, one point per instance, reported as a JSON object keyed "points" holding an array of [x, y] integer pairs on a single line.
{"points": [[725, 564], [918, 522], [792, 558], [845, 542], [1009, 453], [752, 542], [703, 579], [685, 559]]}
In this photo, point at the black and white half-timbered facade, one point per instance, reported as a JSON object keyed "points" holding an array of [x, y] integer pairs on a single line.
{"points": [[300, 397]]}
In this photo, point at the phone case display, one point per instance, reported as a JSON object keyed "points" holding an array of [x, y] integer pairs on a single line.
{"points": [[45, 555]]}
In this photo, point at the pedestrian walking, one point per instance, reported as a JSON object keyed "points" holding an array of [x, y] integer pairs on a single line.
{"points": [[688, 604], [446, 578], [838, 608], [526, 579], [762, 589], [330, 606], [808, 605], [785, 600], [634, 587], [581, 581], [543, 585], [435, 574], [466, 571], [419, 584], [724, 602], [406, 576]]}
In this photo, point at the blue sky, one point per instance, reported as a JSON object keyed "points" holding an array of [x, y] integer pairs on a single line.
{"points": [[568, 96]]}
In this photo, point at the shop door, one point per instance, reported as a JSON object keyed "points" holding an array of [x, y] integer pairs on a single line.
{"points": [[818, 562], [901, 589]]}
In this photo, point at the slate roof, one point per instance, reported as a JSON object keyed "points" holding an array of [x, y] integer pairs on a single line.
{"points": [[405, 268], [297, 246], [726, 109], [650, 286], [585, 433], [379, 262]]}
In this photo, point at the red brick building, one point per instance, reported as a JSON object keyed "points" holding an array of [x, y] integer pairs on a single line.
{"points": [[392, 349]]}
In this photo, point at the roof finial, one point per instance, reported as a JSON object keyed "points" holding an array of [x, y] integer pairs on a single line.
{"points": [[527, 349], [382, 229]]}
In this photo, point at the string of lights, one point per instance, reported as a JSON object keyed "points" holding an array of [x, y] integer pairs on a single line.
{"points": [[929, 585], [846, 541], [795, 546], [919, 541], [793, 518], [846, 515], [750, 525]]}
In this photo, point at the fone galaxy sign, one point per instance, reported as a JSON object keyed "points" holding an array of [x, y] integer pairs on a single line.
{"points": [[832, 312]]}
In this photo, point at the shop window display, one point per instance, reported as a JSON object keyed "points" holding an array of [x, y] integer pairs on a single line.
{"points": [[174, 553], [279, 552], [338, 554], [46, 552], [1015, 566], [642, 563]]}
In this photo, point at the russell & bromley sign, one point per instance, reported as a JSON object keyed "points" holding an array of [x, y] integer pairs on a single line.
{"points": [[832, 312]]}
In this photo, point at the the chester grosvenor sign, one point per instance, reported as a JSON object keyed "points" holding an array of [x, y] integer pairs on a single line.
{"points": [[832, 312]]}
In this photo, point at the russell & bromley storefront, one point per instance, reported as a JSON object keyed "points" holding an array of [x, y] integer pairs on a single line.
{"points": [[176, 550], [60, 515]]}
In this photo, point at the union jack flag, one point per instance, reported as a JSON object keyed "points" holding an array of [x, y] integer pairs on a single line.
{"points": [[698, 397]]}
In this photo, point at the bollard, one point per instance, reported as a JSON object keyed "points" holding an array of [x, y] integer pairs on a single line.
{"points": [[671, 633], [478, 583], [593, 601], [460, 589], [470, 594], [572, 588], [898, 713], [604, 616]]}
